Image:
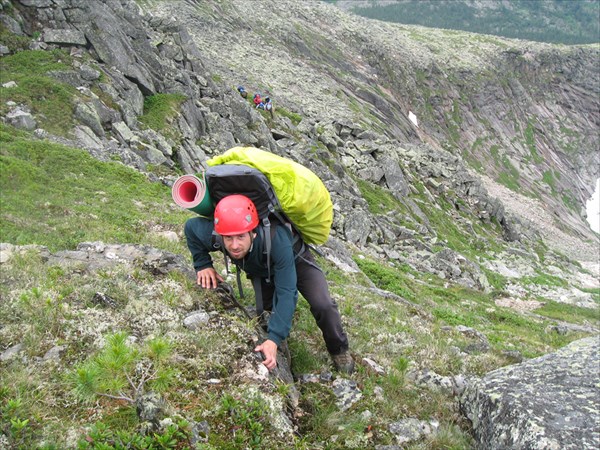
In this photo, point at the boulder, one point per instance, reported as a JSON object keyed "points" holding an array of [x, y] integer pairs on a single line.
{"points": [[550, 402]]}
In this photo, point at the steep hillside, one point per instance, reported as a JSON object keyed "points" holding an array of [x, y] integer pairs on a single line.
{"points": [[523, 114], [458, 256]]}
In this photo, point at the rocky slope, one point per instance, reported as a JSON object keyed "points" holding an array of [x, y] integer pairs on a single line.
{"points": [[521, 113], [343, 88]]}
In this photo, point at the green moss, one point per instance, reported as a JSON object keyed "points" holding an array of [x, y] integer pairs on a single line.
{"points": [[510, 176], [160, 110], [380, 200], [294, 117], [570, 201], [530, 142], [548, 178]]}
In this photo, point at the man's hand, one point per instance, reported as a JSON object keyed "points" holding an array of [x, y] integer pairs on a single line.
{"points": [[208, 278], [269, 350]]}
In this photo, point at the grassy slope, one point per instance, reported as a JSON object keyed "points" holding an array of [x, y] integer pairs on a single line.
{"points": [[57, 196]]}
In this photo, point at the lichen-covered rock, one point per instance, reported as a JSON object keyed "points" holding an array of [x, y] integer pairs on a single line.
{"points": [[550, 402]]}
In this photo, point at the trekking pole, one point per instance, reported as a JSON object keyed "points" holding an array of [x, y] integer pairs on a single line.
{"points": [[225, 291]]}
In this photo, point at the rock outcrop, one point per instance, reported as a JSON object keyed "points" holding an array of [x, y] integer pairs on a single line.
{"points": [[546, 403]]}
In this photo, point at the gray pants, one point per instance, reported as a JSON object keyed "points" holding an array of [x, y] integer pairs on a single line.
{"points": [[313, 287]]}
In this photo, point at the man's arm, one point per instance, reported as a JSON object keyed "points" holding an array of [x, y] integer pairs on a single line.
{"points": [[198, 235], [286, 292]]}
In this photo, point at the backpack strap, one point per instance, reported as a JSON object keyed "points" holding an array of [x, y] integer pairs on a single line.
{"points": [[257, 285], [267, 233]]}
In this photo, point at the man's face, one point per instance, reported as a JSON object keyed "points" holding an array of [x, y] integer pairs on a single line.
{"points": [[238, 245]]}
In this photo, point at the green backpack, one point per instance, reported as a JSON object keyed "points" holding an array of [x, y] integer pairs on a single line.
{"points": [[291, 190]]}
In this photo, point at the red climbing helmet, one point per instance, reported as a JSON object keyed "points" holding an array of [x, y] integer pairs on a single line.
{"points": [[235, 214]]}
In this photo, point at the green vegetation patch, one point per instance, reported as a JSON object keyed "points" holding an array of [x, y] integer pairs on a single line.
{"points": [[380, 200], [544, 280], [548, 177], [160, 110], [569, 313], [15, 43], [58, 196], [456, 305], [294, 117], [530, 142], [49, 100]]}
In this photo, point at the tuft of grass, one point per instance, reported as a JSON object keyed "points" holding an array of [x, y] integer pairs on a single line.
{"points": [[160, 110], [294, 117]]}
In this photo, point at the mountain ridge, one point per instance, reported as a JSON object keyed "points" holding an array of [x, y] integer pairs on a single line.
{"points": [[573, 22]]}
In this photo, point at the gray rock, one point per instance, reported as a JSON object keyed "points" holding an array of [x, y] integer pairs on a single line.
{"points": [[550, 402], [71, 37], [37, 3], [21, 119], [123, 132], [357, 226], [71, 77], [88, 73], [394, 178], [87, 115], [196, 320], [151, 407], [54, 353], [11, 352], [411, 429], [11, 24], [347, 393]]}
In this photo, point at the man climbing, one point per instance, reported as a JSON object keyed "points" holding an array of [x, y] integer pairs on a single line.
{"points": [[242, 91], [292, 269]]}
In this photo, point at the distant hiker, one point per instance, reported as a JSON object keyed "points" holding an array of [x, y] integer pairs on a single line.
{"points": [[257, 99], [292, 269], [269, 106], [242, 91]]}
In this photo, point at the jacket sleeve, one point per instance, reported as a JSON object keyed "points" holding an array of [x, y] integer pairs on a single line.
{"points": [[283, 271], [198, 235]]}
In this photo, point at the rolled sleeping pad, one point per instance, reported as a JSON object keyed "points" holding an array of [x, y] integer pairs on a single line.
{"points": [[191, 192]]}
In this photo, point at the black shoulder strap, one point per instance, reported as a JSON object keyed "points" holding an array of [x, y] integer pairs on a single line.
{"points": [[267, 235]]}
